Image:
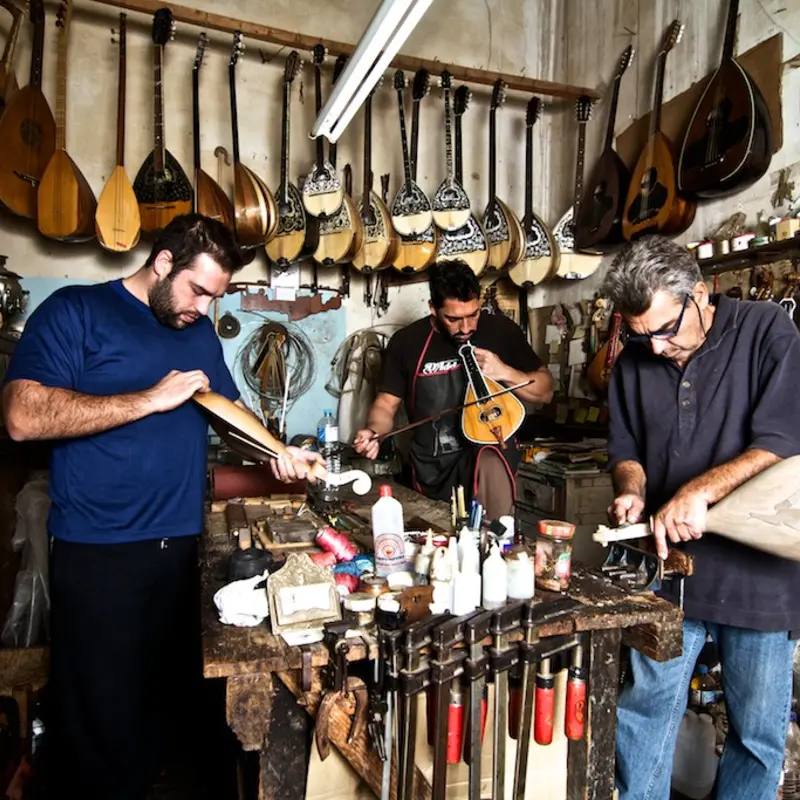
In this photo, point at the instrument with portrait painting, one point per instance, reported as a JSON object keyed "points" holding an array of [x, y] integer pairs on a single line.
{"points": [[8, 78], [65, 202], [599, 372], [487, 419], [117, 221]]}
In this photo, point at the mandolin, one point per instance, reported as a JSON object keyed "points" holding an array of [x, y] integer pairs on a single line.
{"points": [[341, 234], [572, 264], [117, 222], [599, 222], [468, 243], [653, 204], [416, 251], [380, 244], [8, 78], [728, 143], [162, 188], [541, 254], [27, 131], [450, 204], [599, 372], [505, 235], [489, 420], [65, 201], [209, 199], [322, 189], [287, 244], [411, 210]]}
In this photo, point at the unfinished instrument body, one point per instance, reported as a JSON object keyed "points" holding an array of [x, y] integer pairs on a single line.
{"points": [[8, 78]]}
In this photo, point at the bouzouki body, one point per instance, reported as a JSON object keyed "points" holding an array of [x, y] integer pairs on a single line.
{"points": [[599, 372]]}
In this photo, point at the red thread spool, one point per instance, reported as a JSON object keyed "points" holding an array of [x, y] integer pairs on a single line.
{"points": [[323, 559], [350, 582], [336, 543]]}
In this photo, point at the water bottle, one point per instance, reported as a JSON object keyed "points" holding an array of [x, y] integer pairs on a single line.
{"points": [[328, 441], [791, 762]]}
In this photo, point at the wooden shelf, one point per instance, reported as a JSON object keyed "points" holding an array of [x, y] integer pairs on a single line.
{"points": [[265, 33], [754, 257]]}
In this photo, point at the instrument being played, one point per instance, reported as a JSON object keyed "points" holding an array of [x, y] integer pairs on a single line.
{"points": [[599, 372], [380, 244], [411, 210], [467, 243], [728, 143], [209, 199], [322, 189], [287, 244], [487, 419], [255, 212], [572, 264], [162, 188], [340, 234], [653, 204], [416, 252], [65, 201], [505, 235], [599, 222], [541, 254], [117, 222], [8, 78], [27, 131]]}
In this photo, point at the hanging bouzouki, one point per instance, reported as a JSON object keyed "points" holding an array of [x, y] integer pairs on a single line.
{"points": [[468, 243], [162, 188], [600, 219], [27, 132], [572, 264], [322, 189], [381, 243], [255, 212], [728, 144], [417, 251], [340, 234], [287, 244], [653, 204], [599, 372], [117, 222], [65, 201], [505, 235], [209, 199], [485, 419], [8, 78], [541, 255]]}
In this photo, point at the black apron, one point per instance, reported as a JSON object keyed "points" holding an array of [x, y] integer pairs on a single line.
{"points": [[441, 456]]}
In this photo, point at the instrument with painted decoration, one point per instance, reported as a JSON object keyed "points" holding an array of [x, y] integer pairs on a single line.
{"points": [[599, 372], [117, 222], [65, 202], [8, 78], [541, 254]]}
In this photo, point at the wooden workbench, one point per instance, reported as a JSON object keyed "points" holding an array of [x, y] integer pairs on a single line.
{"points": [[269, 712]]}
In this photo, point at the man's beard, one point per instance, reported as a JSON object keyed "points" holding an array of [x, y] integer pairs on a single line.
{"points": [[162, 304]]}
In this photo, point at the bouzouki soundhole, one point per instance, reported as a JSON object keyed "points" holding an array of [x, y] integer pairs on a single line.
{"points": [[467, 239], [167, 186], [410, 200], [495, 224]]}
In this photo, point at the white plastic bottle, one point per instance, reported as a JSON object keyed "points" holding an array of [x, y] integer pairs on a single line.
{"points": [[388, 533], [495, 579]]}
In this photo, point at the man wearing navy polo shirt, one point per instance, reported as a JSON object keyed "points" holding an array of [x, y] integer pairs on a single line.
{"points": [[703, 397], [107, 373]]}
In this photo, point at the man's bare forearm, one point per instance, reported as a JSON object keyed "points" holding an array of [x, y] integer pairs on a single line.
{"points": [[628, 478], [720, 481], [539, 391], [33, 411], [380, 420]]}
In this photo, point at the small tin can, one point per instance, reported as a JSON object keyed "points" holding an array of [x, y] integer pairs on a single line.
{"points": [[554, 555], [705, 250], [742, 241], [722, 247], [359, 609], [374, 585]]}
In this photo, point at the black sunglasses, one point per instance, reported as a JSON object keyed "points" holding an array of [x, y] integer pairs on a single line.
{"points": [[644, 338]]}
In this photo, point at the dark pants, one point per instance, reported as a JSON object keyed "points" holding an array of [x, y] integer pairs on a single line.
{"points": [[124, 642]]}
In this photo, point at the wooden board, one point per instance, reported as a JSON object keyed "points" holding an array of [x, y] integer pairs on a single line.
{"points": [[764, 64]]}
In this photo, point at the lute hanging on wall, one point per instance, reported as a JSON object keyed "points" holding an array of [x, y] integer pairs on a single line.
{"points": [[728, 143], [541, 255], [468, 243], [65, 201], [162, 188], [599, 221], [8, 78], [117, 221], [27, 131], [209, 199]]}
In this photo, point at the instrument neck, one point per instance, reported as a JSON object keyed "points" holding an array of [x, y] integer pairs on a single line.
{"points": [[729, 48], [403, 136], [448, 140], [234, 113], [579, 166], [612, 114], [318, 107], [287, 98], [474, 375], [367, 153], [655, 117], [414, 137], [528, 174], [37, 52], [61, 82], [11, 41], [459, 155], [332, 154], [158, 108], [492, 154], [196, 118]]}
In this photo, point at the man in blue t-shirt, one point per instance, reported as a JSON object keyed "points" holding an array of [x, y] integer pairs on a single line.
{"points": [[106, 372]]}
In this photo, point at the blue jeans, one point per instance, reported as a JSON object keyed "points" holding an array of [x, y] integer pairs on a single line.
{"points": [[757, 681]]}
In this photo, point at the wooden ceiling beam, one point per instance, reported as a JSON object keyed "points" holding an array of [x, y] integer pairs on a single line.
{"points": [[298, 41]]}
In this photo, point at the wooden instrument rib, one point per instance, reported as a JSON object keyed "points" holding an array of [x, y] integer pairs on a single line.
{"points": [[8, 78]]}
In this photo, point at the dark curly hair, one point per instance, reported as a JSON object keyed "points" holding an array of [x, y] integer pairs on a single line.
{"points": [[453, 280]]}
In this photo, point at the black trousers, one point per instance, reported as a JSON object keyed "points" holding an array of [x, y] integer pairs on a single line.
{"points": [[125, 651]]}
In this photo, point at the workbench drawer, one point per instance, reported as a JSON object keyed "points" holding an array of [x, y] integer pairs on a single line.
{"points": [[542, 492]]}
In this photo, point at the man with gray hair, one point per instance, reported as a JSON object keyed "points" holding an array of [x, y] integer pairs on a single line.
{"points": [[702, 398]]}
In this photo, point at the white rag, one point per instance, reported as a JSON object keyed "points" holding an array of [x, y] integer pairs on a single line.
{"points": [[241, 604]]}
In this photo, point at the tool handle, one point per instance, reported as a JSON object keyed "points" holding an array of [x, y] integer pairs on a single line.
{"points": [[575, 711], [514, 708], [545, 709], [455, 732]]}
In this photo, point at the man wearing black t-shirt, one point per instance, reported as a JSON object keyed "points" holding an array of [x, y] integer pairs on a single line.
{"points": [[422, 368]]}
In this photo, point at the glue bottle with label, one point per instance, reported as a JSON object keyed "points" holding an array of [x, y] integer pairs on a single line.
{"points": [[388, 533]]}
